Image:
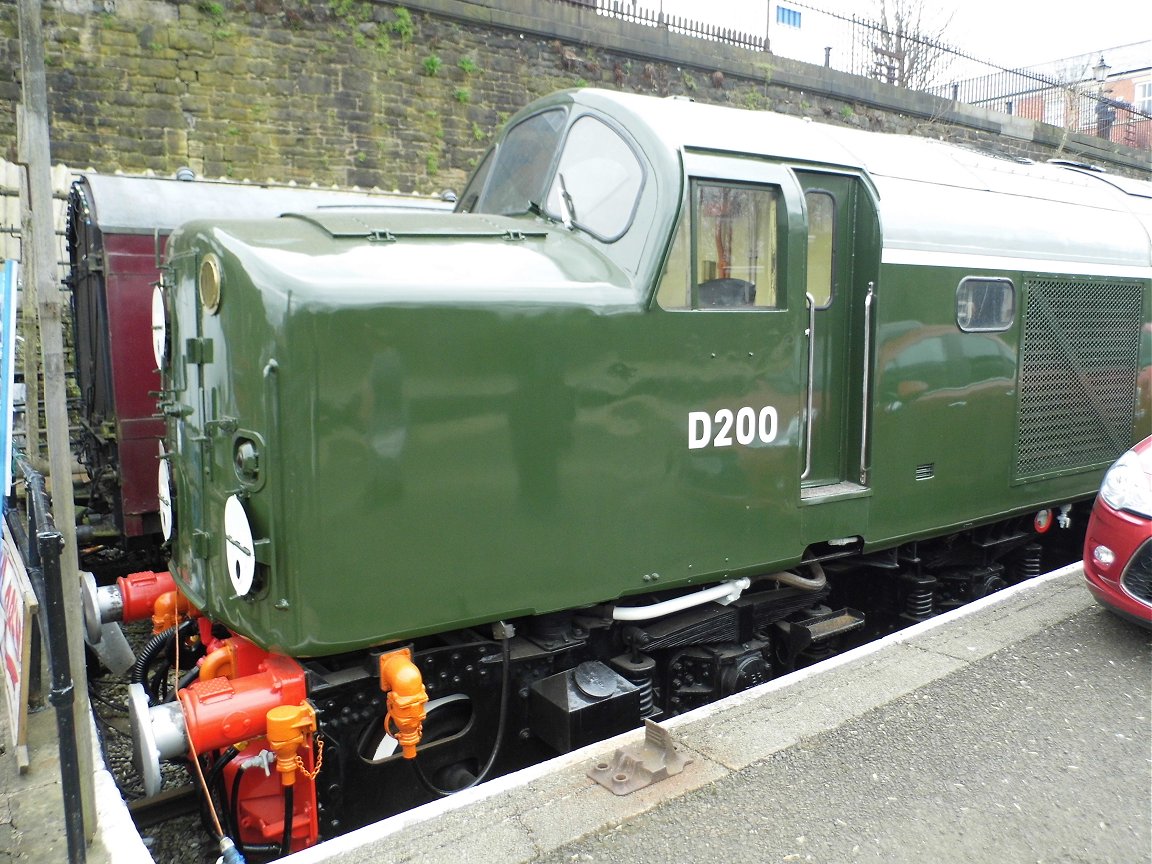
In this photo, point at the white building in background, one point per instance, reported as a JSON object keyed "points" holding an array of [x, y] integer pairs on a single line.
{"points": [[800, 33], [818, 31], [793, 30]]}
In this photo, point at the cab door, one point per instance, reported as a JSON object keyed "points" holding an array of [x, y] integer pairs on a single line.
{"points": [[840, 297]]}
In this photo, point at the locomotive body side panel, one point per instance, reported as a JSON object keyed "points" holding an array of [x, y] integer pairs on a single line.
{"points": [[958, 413], [518, 416]]}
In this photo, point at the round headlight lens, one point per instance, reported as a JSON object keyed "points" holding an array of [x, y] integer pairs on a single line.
{"points": [[210, 283], [1128, 485]]}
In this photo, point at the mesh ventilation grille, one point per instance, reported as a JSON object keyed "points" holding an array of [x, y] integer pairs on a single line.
{"points": [[1077, 373]]}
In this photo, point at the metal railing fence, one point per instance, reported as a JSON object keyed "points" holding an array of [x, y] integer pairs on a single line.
{"points": [[40, 547], [898, 54], [634, 14]]}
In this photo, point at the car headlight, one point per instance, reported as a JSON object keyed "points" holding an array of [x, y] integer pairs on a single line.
{"points": [[1128, 484]]}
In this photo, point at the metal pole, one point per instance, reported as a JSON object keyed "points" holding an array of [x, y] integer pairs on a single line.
{"points": [[30, 330]]}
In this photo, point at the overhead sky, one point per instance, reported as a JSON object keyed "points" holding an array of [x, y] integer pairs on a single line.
{"points": [[1013, 33]]}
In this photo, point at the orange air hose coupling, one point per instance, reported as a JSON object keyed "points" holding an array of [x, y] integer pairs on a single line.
{"points": [[288, 729], [400, 678]]}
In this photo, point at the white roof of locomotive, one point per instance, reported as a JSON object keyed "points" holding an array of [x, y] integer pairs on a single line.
{"points": [[939, 203]]}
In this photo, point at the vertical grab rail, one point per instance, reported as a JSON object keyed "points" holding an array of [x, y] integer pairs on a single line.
{"points": [[811, 303], [869, 298]]}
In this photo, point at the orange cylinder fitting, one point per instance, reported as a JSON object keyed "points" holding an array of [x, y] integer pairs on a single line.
{"points": [[400, 678], [289, 727], [220, 663], [221, 711], [139, 592], [233, 657], [169, 609]]}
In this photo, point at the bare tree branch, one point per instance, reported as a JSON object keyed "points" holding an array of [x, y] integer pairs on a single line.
{"points": [[905, 47]]}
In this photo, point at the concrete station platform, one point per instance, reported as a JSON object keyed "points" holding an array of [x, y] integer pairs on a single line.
{"points": [[1018, 727]]}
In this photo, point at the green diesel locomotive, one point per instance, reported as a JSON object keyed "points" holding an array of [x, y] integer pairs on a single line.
{"points": [[681, 398]]}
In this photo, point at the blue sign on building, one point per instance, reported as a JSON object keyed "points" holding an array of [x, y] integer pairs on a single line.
{"points": [[8, 278]]}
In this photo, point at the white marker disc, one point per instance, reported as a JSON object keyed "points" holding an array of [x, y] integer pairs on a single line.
{"points": [[239, 550], [159, 326], [164, 489]]}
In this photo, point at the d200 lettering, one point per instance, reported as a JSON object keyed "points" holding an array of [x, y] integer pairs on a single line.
{"points": [[744, 426]]}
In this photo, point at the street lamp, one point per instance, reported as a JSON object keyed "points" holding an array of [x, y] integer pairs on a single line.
{"points": [[1104, 113], [1100, 70]]}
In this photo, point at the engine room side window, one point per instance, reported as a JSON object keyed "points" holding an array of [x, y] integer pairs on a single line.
{"points": [[523, 165], [984, 305], [724, 252], [597, 183]]}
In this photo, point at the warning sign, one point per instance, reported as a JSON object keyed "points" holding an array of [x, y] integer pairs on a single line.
{"points": [[19, 605]]}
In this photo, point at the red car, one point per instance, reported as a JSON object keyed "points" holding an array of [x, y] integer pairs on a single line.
{"points": [[1118, 548]]}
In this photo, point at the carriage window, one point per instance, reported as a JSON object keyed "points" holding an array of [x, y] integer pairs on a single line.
{"points": [[727, 260], [985, 304], [821, 231], [597, 183], [523, 160]]}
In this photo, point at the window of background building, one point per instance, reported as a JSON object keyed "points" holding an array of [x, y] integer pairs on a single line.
{"points": [[1144, 97], [788, 17]]}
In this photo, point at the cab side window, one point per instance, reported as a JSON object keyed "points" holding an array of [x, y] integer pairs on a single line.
{"points": [[724, 252]]}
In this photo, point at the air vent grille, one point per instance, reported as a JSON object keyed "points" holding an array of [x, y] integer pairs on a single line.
{"points": [[1077, 373]]}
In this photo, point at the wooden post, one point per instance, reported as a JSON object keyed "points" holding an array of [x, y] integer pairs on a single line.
{"points": [[30, 330], [39, 251]]}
